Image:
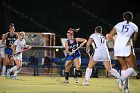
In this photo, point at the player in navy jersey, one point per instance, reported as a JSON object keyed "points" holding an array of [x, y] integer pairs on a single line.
{"points": [[73, 55], [10, 38]]}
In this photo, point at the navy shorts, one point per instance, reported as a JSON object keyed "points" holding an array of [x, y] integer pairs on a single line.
{"points": [[72, 57], [8, 51]]}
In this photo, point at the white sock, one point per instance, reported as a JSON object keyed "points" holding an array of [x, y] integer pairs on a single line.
{"points": [[13, 69], [16, 72], [135, 73], [88, 74], [125, 82], [127, 73], [115, 73], [3, 70]]}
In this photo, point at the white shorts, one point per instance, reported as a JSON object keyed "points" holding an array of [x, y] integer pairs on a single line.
{"points": [[2, 52], [122, 51], [101, 55], [17, 57]]}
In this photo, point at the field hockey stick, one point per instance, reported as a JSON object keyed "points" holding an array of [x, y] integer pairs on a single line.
{"points": [[70, 54], [22, 51], [73, 51]]}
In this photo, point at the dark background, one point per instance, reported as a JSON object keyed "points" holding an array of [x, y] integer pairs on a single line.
{"points": [[59, 15]]}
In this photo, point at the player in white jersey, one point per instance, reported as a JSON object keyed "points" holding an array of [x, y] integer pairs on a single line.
{"points": [[2, 49], [2, 53], [101, 54], [18, 46], [126, 32]]}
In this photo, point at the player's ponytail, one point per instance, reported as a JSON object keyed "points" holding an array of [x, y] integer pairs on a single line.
{"points": [[128, 16], [71, 30]]}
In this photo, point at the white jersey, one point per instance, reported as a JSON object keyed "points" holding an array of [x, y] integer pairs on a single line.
{"points": [[2, 50], [101, 51], [19, 46], [122, 46]]}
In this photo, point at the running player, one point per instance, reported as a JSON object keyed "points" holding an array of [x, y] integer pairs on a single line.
{"points": [[18, 46], [9, 37], [73, 55], [101, 53], [126, 32]]}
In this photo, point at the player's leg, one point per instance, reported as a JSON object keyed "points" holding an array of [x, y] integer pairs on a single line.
{"points": [[14, 68], [5, 63], [67, 69], [111, 70], [1, 62], [124, 66], [77, 63], [18, 70], [129, 71], [8, 54], [88, 72]]}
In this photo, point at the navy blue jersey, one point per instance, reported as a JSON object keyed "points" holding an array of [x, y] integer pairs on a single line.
{"points": [[73, 46], [10, 39]]}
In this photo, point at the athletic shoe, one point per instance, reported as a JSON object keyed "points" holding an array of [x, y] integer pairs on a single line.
{"points": [[66, 82], [76, 80], [85, 83], [15, 78], [126, 90], [120, 84], [3, 75]]}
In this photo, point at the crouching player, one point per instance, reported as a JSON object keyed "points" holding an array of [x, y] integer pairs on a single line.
{"points": [[17, 47]]}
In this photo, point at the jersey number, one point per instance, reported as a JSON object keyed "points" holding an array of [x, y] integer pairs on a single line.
{"points": [[125, 28], [102, 39], [11, 42]]}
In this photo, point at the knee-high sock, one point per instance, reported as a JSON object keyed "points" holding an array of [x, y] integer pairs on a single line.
{"points": [[3, 69], [13, 69], [88, 74], [16, 72], [66, 75], [77, 73], [115, 73], [128, 72], [126, 82]]}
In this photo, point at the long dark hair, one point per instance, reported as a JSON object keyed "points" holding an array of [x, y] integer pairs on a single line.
{"points": [[11, 25]]}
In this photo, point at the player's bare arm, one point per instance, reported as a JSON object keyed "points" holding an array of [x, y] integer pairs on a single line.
{"points": [[111, 35]]}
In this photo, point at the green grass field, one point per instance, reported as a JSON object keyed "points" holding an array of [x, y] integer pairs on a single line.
{"points": [[51, 84]]}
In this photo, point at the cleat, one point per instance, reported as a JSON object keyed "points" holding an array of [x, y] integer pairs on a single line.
{"points": [[66, 82], [126, 90], [120, 84], [3, 75], [15, 78], [76, 80], [85, 83]]}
